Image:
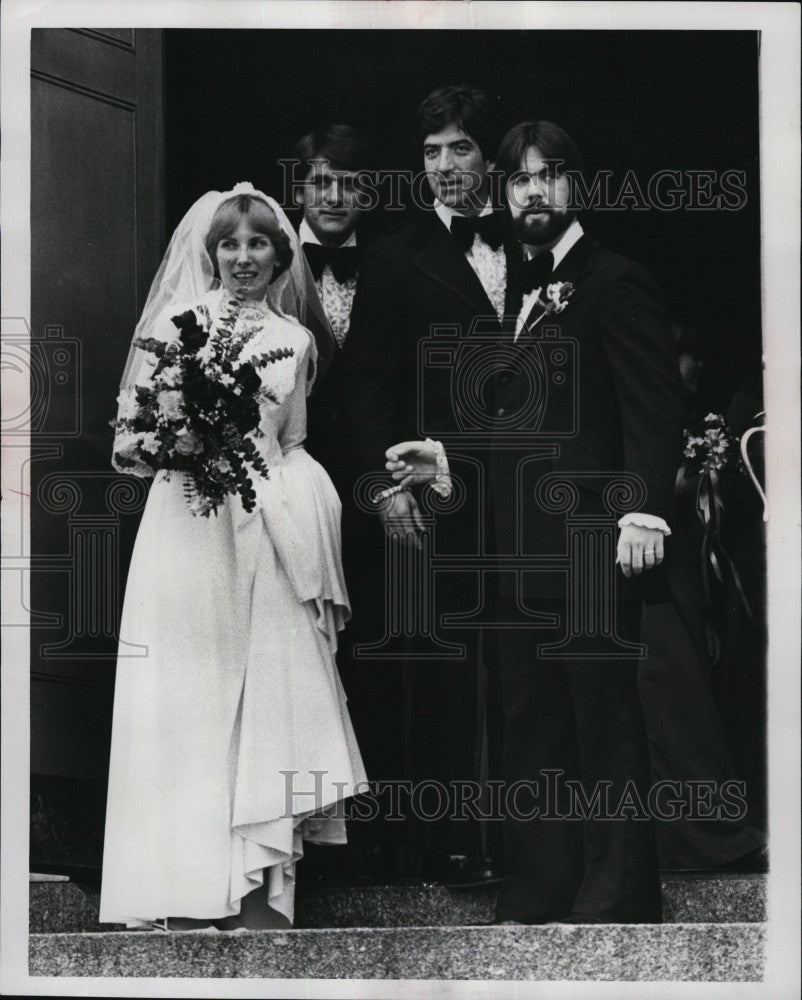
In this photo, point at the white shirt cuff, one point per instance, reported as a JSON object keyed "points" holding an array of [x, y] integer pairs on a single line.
{"points": [[442, 480], [645, 521]]}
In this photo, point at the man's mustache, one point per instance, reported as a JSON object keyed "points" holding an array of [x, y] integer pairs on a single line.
{"points": [[539, 209]]}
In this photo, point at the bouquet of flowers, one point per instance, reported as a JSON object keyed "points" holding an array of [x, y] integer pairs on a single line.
{"points": [[199, 413], [710, 447]]}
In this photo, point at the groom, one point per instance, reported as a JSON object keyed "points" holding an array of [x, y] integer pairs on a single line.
{"points": [[582, 717], [582, 850]]}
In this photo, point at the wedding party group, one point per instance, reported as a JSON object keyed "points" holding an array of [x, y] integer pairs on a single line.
{"points": [[323, 417]]}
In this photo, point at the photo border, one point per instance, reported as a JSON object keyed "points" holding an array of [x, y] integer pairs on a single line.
{"points": [[780, 239]]}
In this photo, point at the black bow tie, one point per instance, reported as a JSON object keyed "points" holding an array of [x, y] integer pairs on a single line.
{"points": [[536, 272], [343, 261], [489, 228]]}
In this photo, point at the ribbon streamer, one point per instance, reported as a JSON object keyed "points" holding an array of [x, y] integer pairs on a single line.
{"points": [[710, 509]]}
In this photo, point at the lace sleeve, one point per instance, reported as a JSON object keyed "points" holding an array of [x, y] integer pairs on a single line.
{"points": [[292, 432], [313, 372]]}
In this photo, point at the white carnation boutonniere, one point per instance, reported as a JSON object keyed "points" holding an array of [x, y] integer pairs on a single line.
{"points": [[558, 295]]}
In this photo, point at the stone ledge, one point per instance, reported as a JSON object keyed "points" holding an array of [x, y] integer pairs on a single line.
{"points": [[675, 952], [65, 908]]}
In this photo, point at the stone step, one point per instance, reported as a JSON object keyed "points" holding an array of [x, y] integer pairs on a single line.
{"points": [[733, 952], [705, 899], [63, 907]]}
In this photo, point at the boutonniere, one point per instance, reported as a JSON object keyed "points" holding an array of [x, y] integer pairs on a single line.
{"points": [[558, 295]]}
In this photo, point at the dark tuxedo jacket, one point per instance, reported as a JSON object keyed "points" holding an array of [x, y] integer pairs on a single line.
{"points": [[326, 435], [327, 439], [409, 283], [611, 401]]}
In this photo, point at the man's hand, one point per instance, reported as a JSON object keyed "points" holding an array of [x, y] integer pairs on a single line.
{"points": [[639, 549], [401, 515], [412, 462]]}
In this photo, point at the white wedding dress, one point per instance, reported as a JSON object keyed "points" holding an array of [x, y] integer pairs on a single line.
{"points": [[231, 732]]}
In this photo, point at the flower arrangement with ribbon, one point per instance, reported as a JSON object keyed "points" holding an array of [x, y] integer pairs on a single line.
{"points": [[712, 454], [199, 412]]}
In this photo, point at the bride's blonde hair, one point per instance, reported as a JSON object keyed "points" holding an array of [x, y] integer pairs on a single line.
{"points": [[262, 219]]}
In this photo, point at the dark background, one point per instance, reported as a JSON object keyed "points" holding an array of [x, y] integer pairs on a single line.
{"points": [[236, 101]]}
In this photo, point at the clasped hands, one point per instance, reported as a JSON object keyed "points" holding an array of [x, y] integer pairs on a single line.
{"points": [[413, 463]]}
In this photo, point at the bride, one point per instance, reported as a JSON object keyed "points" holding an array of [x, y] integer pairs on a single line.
{"points": [[231, 740]]}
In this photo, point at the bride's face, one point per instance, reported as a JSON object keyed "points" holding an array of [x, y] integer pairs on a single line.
{"points": [[245, 259]]}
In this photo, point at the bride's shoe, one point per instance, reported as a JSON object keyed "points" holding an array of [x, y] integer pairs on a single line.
{"points": [[184, 925]]}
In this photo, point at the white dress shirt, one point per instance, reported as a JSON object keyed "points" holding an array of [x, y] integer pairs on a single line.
{"points": [[571, 236], [337, 298], [489, 265]]}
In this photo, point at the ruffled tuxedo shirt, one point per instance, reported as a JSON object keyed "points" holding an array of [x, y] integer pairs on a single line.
{"points": [[337, 297], [489, 265]]}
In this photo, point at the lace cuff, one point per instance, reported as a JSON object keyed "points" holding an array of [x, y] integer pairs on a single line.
{"points": [[645, 521], [442, 480]]}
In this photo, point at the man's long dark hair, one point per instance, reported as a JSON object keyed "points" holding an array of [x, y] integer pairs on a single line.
{"points": [[553, 143], [472, 110]]}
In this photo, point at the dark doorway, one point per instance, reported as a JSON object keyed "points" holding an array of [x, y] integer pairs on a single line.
{"points": [[637, 101]]}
